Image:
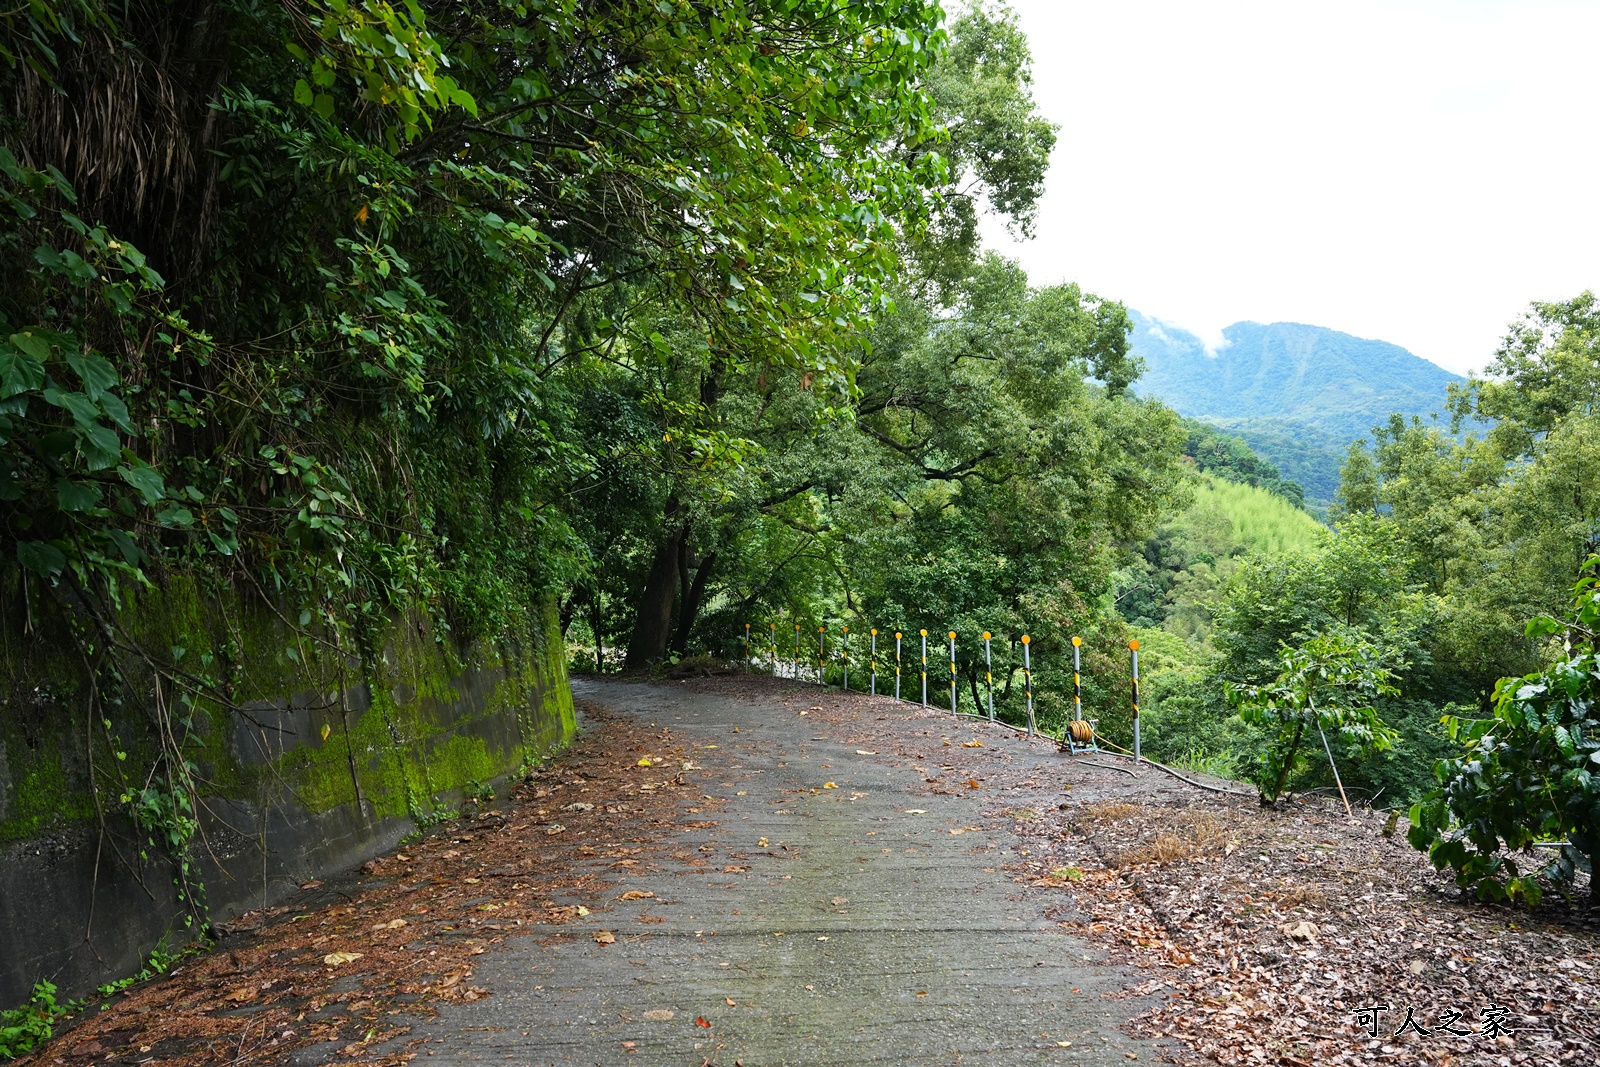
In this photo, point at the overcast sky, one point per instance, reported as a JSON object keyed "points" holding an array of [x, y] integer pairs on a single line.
{"points": [[1413, 170]]}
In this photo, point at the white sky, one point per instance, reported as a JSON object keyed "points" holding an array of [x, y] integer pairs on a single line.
{"points": [[1410, 170]]}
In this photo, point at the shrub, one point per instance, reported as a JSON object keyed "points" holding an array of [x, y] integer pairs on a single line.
{"points": [[1529, 773]]}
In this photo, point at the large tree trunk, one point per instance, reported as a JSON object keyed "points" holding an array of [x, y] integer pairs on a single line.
{"points": [[652, 626], [689, 609]]}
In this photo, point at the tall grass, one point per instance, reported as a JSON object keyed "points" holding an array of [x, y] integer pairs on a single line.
{"points": [[1262, 521]]}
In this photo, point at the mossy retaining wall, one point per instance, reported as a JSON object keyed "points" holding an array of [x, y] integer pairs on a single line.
{"points": [[322, 761]]}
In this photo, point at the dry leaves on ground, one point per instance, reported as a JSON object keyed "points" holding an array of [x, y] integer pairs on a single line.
{"points": [[405, 936]]}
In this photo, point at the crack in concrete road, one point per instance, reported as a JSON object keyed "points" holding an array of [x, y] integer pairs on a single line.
{"points": [[862, 932]]}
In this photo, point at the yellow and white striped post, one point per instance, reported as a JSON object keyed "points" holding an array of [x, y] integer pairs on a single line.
{"points": [[988, 671], [924, 668], [897, 636], [1077, 679], [797, 652], [822, 651], [746, 646], [1133, 649], [1027, 680], [874, 662], [952, 672], [772, 637], [844, 659]]}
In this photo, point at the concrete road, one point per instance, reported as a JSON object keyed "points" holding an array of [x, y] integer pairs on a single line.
{"points": [[842, 926]]}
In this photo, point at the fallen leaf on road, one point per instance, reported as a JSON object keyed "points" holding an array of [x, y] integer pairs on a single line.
{"points": [[660, 1015], [839, 900], [922, 992], [242, 994], [730, 1002], [644, 763], [972, 744], [636, 894], [865, 752], [470, 881], [582, 911], [822, 939], [916, 811], [333, 959], [309, 885], [556, 829], [762, 843], [605, 937], [1300, 931], [830, 785], [972, 783], [392, 924], [700, 1020]]}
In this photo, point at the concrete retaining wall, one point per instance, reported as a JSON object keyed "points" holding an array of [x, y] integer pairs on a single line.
{"points": [[84, 895]]}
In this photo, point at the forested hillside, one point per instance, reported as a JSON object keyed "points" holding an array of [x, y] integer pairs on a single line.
{"points": [[1298, 394]]}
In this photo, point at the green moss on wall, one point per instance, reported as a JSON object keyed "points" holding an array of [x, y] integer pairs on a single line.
{"points": [[423, 721], [40, 794]]}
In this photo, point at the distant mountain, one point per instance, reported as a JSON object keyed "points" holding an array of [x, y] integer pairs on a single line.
{"points": [[1297, 394]]}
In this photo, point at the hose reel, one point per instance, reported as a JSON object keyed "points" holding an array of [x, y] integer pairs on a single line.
{"points": [[1079, 736]]}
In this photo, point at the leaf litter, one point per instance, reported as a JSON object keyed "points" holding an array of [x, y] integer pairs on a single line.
{"points": [[1262, 931], [344, 972]]}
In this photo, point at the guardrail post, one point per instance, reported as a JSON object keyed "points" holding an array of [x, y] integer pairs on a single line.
{"points": [[988, 672], [897, 636], [924, 668], [874, 662], [772, 638], [1133, 648], [1027, 681], [797, 652], [822, 652], [746, 646], [952, 672], [1077, 679], [844, 658]]}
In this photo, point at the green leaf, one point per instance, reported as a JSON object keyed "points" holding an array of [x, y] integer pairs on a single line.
{"points": [[146, 479], [41, 557], [97, 375], [76, 496]]}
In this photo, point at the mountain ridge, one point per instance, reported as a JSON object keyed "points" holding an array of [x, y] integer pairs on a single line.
{"points": [[1298, 394]]}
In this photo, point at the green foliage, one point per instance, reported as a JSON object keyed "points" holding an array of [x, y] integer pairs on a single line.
{"points": [[319, 343], [1530, 773], [1182, 568], [26, 1028], [1329, 681], [1230, 458]]}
